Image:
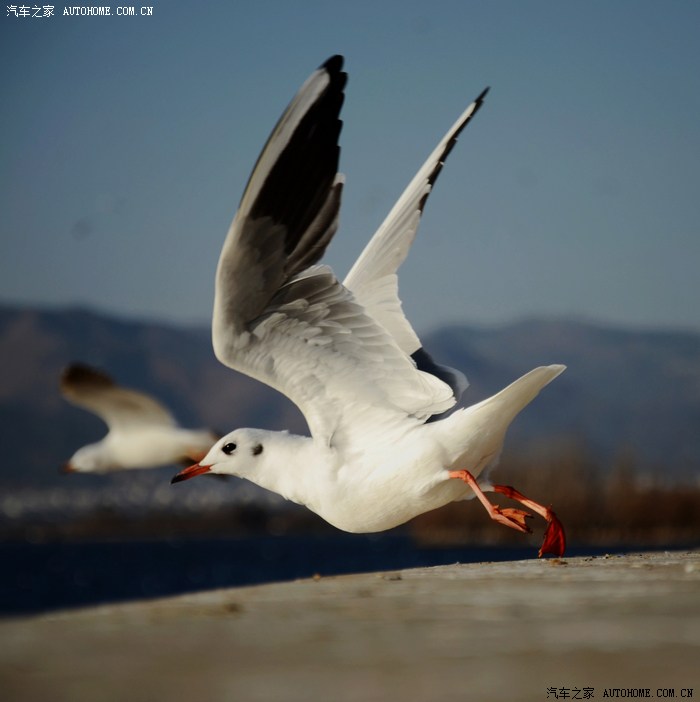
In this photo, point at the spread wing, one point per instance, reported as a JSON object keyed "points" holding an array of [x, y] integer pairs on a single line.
{"points": [[120, 408], [282, 319], [373, 278]]}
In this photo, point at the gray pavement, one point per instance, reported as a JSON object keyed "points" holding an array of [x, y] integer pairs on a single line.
{"points": [[592, 628]]}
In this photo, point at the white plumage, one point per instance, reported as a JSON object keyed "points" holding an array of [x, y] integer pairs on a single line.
{"points": [[142, 432], [344, 352]]}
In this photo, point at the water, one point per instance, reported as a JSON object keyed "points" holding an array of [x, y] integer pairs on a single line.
{"points": [[50, 576]]}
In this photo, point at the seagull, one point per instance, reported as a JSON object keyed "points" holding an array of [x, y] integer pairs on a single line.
{"points": [[387, 442], [142, 432]]}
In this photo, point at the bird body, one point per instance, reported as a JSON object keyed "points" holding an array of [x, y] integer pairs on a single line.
{"points": [[145, 447], [386, 443], [407, 466], [142, 433]]}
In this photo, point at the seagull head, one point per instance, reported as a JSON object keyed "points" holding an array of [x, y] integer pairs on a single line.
{"points": [[93, 458], [237, 453]]}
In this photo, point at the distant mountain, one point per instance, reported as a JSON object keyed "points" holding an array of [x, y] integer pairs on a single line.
{"points": [[41, 430], [636, 392], [623, 390]]}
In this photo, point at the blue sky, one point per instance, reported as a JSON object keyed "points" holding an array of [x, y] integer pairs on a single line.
{"points": [[127, 141]]}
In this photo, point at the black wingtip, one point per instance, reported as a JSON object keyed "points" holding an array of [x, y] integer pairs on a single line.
{"points": [[483, 94], [334, 64], [77, 373]]}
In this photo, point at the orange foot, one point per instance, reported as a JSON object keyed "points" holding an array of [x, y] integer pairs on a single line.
{"points": [[514, 518], [554, 537]]}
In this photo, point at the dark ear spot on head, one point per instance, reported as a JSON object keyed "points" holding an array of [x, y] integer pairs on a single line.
{"points": [[257, 449]]}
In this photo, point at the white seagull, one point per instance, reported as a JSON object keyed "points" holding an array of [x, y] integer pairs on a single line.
{"points": [[142, 432], [344, 352]]}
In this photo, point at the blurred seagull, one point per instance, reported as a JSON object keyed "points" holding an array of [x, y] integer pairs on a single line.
{"points": [[344, 352], [142, 432]]}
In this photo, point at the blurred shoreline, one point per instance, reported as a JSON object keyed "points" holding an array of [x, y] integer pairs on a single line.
{"points": [[598, 507]]}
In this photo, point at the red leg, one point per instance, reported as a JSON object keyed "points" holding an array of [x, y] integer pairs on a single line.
{"points": [[554, 536], [514, 518]]}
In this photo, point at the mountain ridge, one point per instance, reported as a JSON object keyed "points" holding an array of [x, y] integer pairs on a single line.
{"points": [[625, 389]]}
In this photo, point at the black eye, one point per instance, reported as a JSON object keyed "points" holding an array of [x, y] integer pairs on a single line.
{"points": [[229, 448]]}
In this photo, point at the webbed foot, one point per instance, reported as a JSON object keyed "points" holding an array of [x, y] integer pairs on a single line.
{"points": [[554, 537]]}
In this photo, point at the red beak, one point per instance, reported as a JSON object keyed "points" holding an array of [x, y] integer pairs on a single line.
{"points": [[190, 472]]}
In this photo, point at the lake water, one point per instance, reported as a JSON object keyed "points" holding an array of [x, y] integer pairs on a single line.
{"points": [[50, 576]]}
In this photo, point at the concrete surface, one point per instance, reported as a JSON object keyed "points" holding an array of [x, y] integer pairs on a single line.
{"points": [[583, 627]]}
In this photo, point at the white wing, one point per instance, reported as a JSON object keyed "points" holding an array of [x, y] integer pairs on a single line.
{"points": [[373, 278], [290, 324], [120, 408]]}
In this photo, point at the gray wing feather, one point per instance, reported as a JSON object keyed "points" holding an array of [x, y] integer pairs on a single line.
{"points": [[290, 324], [373, 278], [118, 407]]}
